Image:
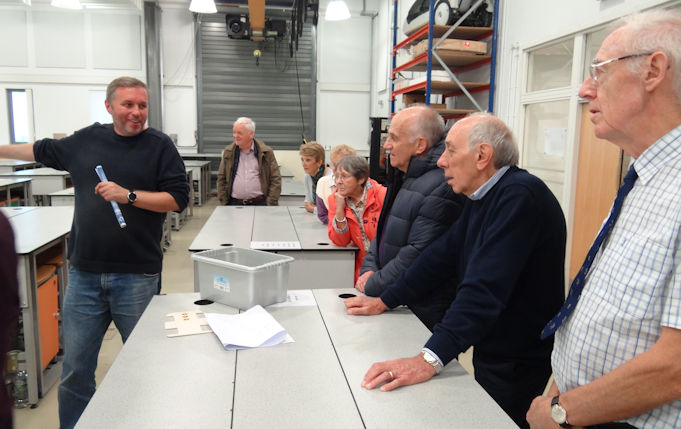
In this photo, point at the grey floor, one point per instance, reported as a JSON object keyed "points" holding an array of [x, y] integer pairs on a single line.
{"points": [[177, 277]]}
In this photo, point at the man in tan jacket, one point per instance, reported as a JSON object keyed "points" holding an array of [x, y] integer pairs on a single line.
{"points": [[248, 173]]}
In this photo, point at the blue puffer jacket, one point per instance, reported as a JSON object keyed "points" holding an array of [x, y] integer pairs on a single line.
{"points": [[413, 216]]}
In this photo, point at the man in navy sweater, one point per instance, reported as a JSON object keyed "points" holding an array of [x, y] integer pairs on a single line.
{"points": [[506, 254], [113, 271]]}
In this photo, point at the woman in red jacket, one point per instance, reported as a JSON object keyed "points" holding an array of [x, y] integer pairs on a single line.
{"points": [[356, 203]]}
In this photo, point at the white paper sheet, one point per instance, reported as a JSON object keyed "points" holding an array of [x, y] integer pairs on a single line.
{"points": [[275, 245], [297, 298], [253, 328]]}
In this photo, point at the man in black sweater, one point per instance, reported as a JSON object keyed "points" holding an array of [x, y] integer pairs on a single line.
{"points": [[506, 254], [113, 271]]}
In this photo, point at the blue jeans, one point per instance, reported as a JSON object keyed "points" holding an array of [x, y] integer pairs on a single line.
{"points": [[91, 302]]}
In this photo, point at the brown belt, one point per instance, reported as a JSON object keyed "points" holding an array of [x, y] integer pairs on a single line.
{"points": [[248, 202]]}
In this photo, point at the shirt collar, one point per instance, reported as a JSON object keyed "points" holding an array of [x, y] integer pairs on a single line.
{"points": [[666, 149], [489, 184]]}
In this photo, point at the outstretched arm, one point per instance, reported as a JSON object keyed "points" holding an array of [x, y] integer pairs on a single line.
{"points": [[23, 152]]}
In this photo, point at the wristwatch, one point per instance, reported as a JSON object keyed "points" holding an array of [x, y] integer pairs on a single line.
{"points": [[132, 197], [558, 413], [432, 360]]}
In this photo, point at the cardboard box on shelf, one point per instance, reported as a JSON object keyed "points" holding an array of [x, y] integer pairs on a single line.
{"points": [[452, 45], [409, 99]]}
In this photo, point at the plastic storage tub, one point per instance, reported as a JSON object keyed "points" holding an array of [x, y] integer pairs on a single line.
{"points": [[241, 277]]}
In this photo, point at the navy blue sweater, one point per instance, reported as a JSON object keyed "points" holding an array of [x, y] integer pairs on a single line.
{"points": [[148, 162], [507, 254]]}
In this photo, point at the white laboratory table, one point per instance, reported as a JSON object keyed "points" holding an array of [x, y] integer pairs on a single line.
{"points": [[36, 229], [44, 180], [11, 165], [318, 261], [7, 185], [191, 381], [292, 192], [65, 197], [285, 173], [177, 220], [201, 180]]}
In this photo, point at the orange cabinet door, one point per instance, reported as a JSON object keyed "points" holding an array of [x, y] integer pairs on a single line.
{"points": [[48, 307]]}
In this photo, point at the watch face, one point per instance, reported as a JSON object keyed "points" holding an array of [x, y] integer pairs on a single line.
{"points": [[558, 414]]}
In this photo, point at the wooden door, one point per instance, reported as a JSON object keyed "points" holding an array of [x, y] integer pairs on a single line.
{"points": [[599, 172]]}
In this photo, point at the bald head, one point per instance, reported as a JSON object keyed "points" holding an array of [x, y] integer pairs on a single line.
{"points": [[422, 121]]}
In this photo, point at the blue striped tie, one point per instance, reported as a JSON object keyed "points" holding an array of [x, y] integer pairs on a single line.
{"points": [[578, 283]]}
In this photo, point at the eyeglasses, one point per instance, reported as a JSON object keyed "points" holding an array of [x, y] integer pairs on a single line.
{"points": [[595, 67], [343, 177]]}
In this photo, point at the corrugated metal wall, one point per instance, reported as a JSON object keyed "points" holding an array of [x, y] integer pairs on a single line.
{"points": [[230, 85]]}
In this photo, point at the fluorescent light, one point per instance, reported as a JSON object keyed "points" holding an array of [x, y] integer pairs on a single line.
{"points": [[337, 10], [27, 2], [203, 6], [67, 4]]}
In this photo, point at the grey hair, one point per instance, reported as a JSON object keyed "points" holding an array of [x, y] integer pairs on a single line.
{"points": [[492, 130], [355, 165], [246, 122], [427, 123], [652, 31]]}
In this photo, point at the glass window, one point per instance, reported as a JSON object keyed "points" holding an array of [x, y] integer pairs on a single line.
{"points": [[546, 134], [20, 118], [550, 66], [593, 44]]}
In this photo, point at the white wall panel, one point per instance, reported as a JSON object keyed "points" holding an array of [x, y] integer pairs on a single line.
{"points": [[179, 113], [343, 118], [60, 109], [14, 47], [178, 46], [345, 51], [116, 41], [179, 82], [59, 39]]}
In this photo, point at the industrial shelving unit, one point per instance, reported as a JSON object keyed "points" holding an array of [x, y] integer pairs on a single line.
{"points": [[453, 62]]}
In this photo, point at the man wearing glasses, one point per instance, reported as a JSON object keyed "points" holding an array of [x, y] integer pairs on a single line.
{"points": [[617, 349]]}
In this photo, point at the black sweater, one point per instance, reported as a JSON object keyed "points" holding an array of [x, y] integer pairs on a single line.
{"points": [[507, 253], [148, 162]]}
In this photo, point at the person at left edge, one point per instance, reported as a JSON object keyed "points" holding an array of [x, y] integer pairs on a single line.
{"points": [[113, 271], [9, 311]]}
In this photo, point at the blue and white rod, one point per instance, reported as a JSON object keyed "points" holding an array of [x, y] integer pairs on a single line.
{"points": [[117, 210]]}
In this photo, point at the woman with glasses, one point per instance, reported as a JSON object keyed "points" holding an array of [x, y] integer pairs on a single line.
{"points": [[327, 184], [356, 205]]}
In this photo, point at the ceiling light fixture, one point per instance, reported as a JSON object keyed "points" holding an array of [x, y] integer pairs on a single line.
{"points": [[67, 4], [203, 6], [337, 10]]}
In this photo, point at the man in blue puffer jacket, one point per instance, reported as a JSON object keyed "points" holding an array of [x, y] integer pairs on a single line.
{"points": [[419, 207]]}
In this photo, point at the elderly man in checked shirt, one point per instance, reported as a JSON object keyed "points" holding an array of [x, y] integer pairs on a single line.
{"points": [[617, 357]]}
